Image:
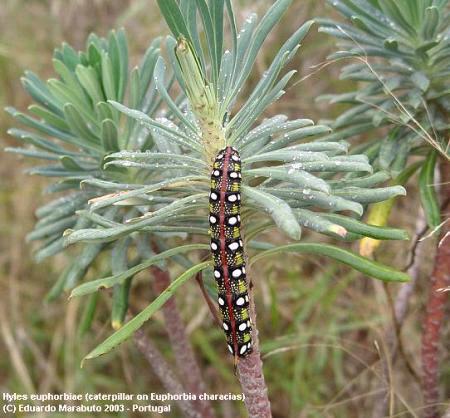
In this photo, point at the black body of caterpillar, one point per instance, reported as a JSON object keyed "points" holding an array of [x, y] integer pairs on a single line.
{"points": [[228, 251]]}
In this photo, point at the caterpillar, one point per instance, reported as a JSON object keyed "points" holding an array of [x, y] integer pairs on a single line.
{"points": [[228, 251]]}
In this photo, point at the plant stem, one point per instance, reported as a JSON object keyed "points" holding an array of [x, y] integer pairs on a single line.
{"points": [[392, 335], [406, 290], [437, 299], [164, 372], [184, 355], [251, 375]]}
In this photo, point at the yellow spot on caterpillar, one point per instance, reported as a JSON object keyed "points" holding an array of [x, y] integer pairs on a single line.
{"points": [[235, 187], [242, 286], [244, 314], [238, 259]]}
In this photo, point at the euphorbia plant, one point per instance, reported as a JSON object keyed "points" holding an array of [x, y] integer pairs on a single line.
{"points": [[292, 177], [399, 53], [77, 129]]}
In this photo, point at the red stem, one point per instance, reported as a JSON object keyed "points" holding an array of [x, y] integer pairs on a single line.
{"points": [[251, 375], [212, 308], [437, 300], [164, 372], [184, 355]]}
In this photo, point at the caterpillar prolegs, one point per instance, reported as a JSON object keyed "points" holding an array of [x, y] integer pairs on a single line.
{"points": [[228, 251]]}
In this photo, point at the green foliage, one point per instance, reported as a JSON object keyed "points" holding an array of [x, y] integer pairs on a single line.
{"points": [[72, 127], [141, 151], [399, 52], [368, 267], [428, 192], [134, 324]]}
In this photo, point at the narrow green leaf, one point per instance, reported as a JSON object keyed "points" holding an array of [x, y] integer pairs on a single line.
{"points": [[291, 175], [160, 71], [110, 136], [428, 195], [156, 126], [210, 32], [364, 265], [431, 23], [81, 264], [134, 324], [357, 194], [119, 264], [123, 64], [108, 78], [174, 18], [108, 282], [317, 222], [88, 78], [366, 230], [54, 228], [50, 117], [267, 23], [420, 80], [88, 315], [31, 153], [78, 125], [278, 209], [40, 92]]}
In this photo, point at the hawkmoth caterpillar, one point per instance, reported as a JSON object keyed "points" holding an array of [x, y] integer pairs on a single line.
{"points": [[228, 251]]}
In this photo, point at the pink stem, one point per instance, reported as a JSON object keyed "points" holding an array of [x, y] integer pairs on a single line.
{"points": [[251, 375], [437, 300], [164, 372], [184, 355]]}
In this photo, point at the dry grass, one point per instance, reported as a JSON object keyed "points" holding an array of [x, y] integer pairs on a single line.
{"points": [[318, 322]]}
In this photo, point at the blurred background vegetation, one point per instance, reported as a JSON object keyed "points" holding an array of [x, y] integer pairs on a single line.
{"points": [[322, 326]]}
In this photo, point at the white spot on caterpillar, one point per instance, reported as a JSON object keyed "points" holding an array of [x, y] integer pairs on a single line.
{"points": [[214, 246], [241, 243], [221, 301], [230, 348], [235, 158], [240, 301], [233, 246], [232, 198], [243, 349], [243, 326], [246, 298], [212, 219], [234, 175], [225, 326], [217, 276], [216, 173], [236, 273], [213, 196], [243, 269], [232, 221]]}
